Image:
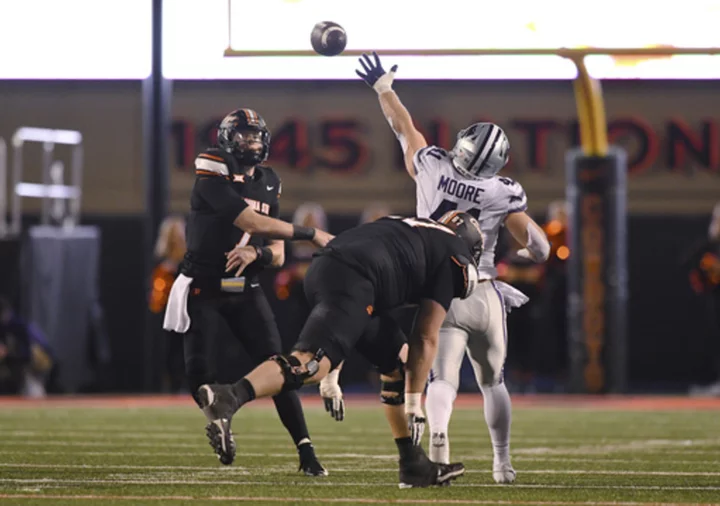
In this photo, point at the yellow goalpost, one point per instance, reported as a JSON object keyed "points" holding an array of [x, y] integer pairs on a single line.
{"points": [[596, 196], [588, 92]]}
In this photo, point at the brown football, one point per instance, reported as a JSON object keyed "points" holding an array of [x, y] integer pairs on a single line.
{"points": [[328, 38]]}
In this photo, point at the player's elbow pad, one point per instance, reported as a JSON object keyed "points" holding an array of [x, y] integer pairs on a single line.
{"points": [[537, 243]]}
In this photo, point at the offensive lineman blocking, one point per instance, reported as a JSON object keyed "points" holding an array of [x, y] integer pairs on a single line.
{"points": [[352, 285], [465, 179]]}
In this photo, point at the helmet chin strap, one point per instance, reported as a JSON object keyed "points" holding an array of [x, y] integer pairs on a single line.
{"points": [[245, 165]]}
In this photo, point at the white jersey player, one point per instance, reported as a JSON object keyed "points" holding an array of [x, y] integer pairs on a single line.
{"points": [[465, 178]]}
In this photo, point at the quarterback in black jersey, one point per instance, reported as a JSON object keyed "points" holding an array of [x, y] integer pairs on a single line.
{"points": [[233, 206], [352, 284]]}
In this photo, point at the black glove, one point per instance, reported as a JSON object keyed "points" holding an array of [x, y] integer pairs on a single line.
{"points": [[374, 71]]}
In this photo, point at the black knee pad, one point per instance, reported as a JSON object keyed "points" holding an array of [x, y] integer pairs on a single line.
{"points": [[293, 371], [397, 387]]}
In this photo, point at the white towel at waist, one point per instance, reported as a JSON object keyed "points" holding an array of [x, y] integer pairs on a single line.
{"points": [[512, 296], [176, 314]]}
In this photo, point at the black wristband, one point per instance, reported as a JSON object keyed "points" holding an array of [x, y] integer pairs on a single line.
{"points": [[264, 255], [301, 233]]}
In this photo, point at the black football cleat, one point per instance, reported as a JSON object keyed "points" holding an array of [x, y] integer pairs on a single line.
{"points": [[309, 463], [221, 440], [219, 405], [448, 472], [420, 472], [312, 467]]}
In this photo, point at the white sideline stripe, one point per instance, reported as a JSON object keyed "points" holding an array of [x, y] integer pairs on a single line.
{"points": [[118, 454], [329, 457], [664, 445], [221, 470], [192, 432], [96, 444], [200, 443], [265, 469], [204, 483], [286, 500], [550, 471], [352, 435], [206, 453], [629, 446]]}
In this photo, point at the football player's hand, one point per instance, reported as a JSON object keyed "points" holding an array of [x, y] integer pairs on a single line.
{"points": [[374, 74], [239, 258], [332, 395], [321, 238], [415, 417]]}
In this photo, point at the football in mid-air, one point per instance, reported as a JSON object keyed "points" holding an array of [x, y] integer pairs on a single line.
{"points": [[328, 38]]}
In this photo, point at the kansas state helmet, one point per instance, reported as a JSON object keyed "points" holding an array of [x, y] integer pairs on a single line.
{"points": [[481, 150], [237, 130]]}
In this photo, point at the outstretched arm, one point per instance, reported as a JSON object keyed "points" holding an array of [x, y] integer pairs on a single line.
{"points": [[272, 228], [221, 197], [396, 114]]}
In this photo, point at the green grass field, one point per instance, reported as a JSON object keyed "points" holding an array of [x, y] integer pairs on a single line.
{"points": [[154, 451]]}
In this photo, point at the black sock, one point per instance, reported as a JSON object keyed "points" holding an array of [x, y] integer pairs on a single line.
{"points": [[244, 391], [289, 409], [406, 448]]}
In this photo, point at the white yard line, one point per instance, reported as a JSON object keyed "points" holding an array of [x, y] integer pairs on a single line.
{"points": [[121, 432], [341, 500], [60, 483], [343, 456], [647, 444], [265, 469]]}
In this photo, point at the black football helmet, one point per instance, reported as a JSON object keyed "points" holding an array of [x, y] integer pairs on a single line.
{"points": [[467, 228], [237, 130]]}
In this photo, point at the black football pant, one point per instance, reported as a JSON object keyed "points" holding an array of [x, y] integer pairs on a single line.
{"points": [[343, 317], [250, 319]]}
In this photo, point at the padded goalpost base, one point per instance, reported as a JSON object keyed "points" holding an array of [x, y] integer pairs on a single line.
{"points": [[597, 271]]}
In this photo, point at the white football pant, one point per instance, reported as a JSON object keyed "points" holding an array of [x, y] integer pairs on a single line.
{"points": [[476, 325]]}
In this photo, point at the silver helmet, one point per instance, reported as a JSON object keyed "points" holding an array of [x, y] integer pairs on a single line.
{"points": [[481, 150]]}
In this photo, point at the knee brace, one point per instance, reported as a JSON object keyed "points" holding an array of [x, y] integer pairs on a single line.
{"points": [[294, 373], [388, 388]]}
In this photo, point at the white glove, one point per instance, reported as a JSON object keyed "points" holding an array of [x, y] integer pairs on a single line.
{"points": [[415, 417], [332, 395]]}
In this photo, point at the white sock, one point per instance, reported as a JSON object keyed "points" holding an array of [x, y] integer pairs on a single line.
{"points": [[498, 417], [439, 407]]}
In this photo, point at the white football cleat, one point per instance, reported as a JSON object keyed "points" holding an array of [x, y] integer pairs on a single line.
{"points": [[504, 473]]}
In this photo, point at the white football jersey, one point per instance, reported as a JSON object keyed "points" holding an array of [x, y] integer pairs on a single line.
{"points": [[440, 188]]}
